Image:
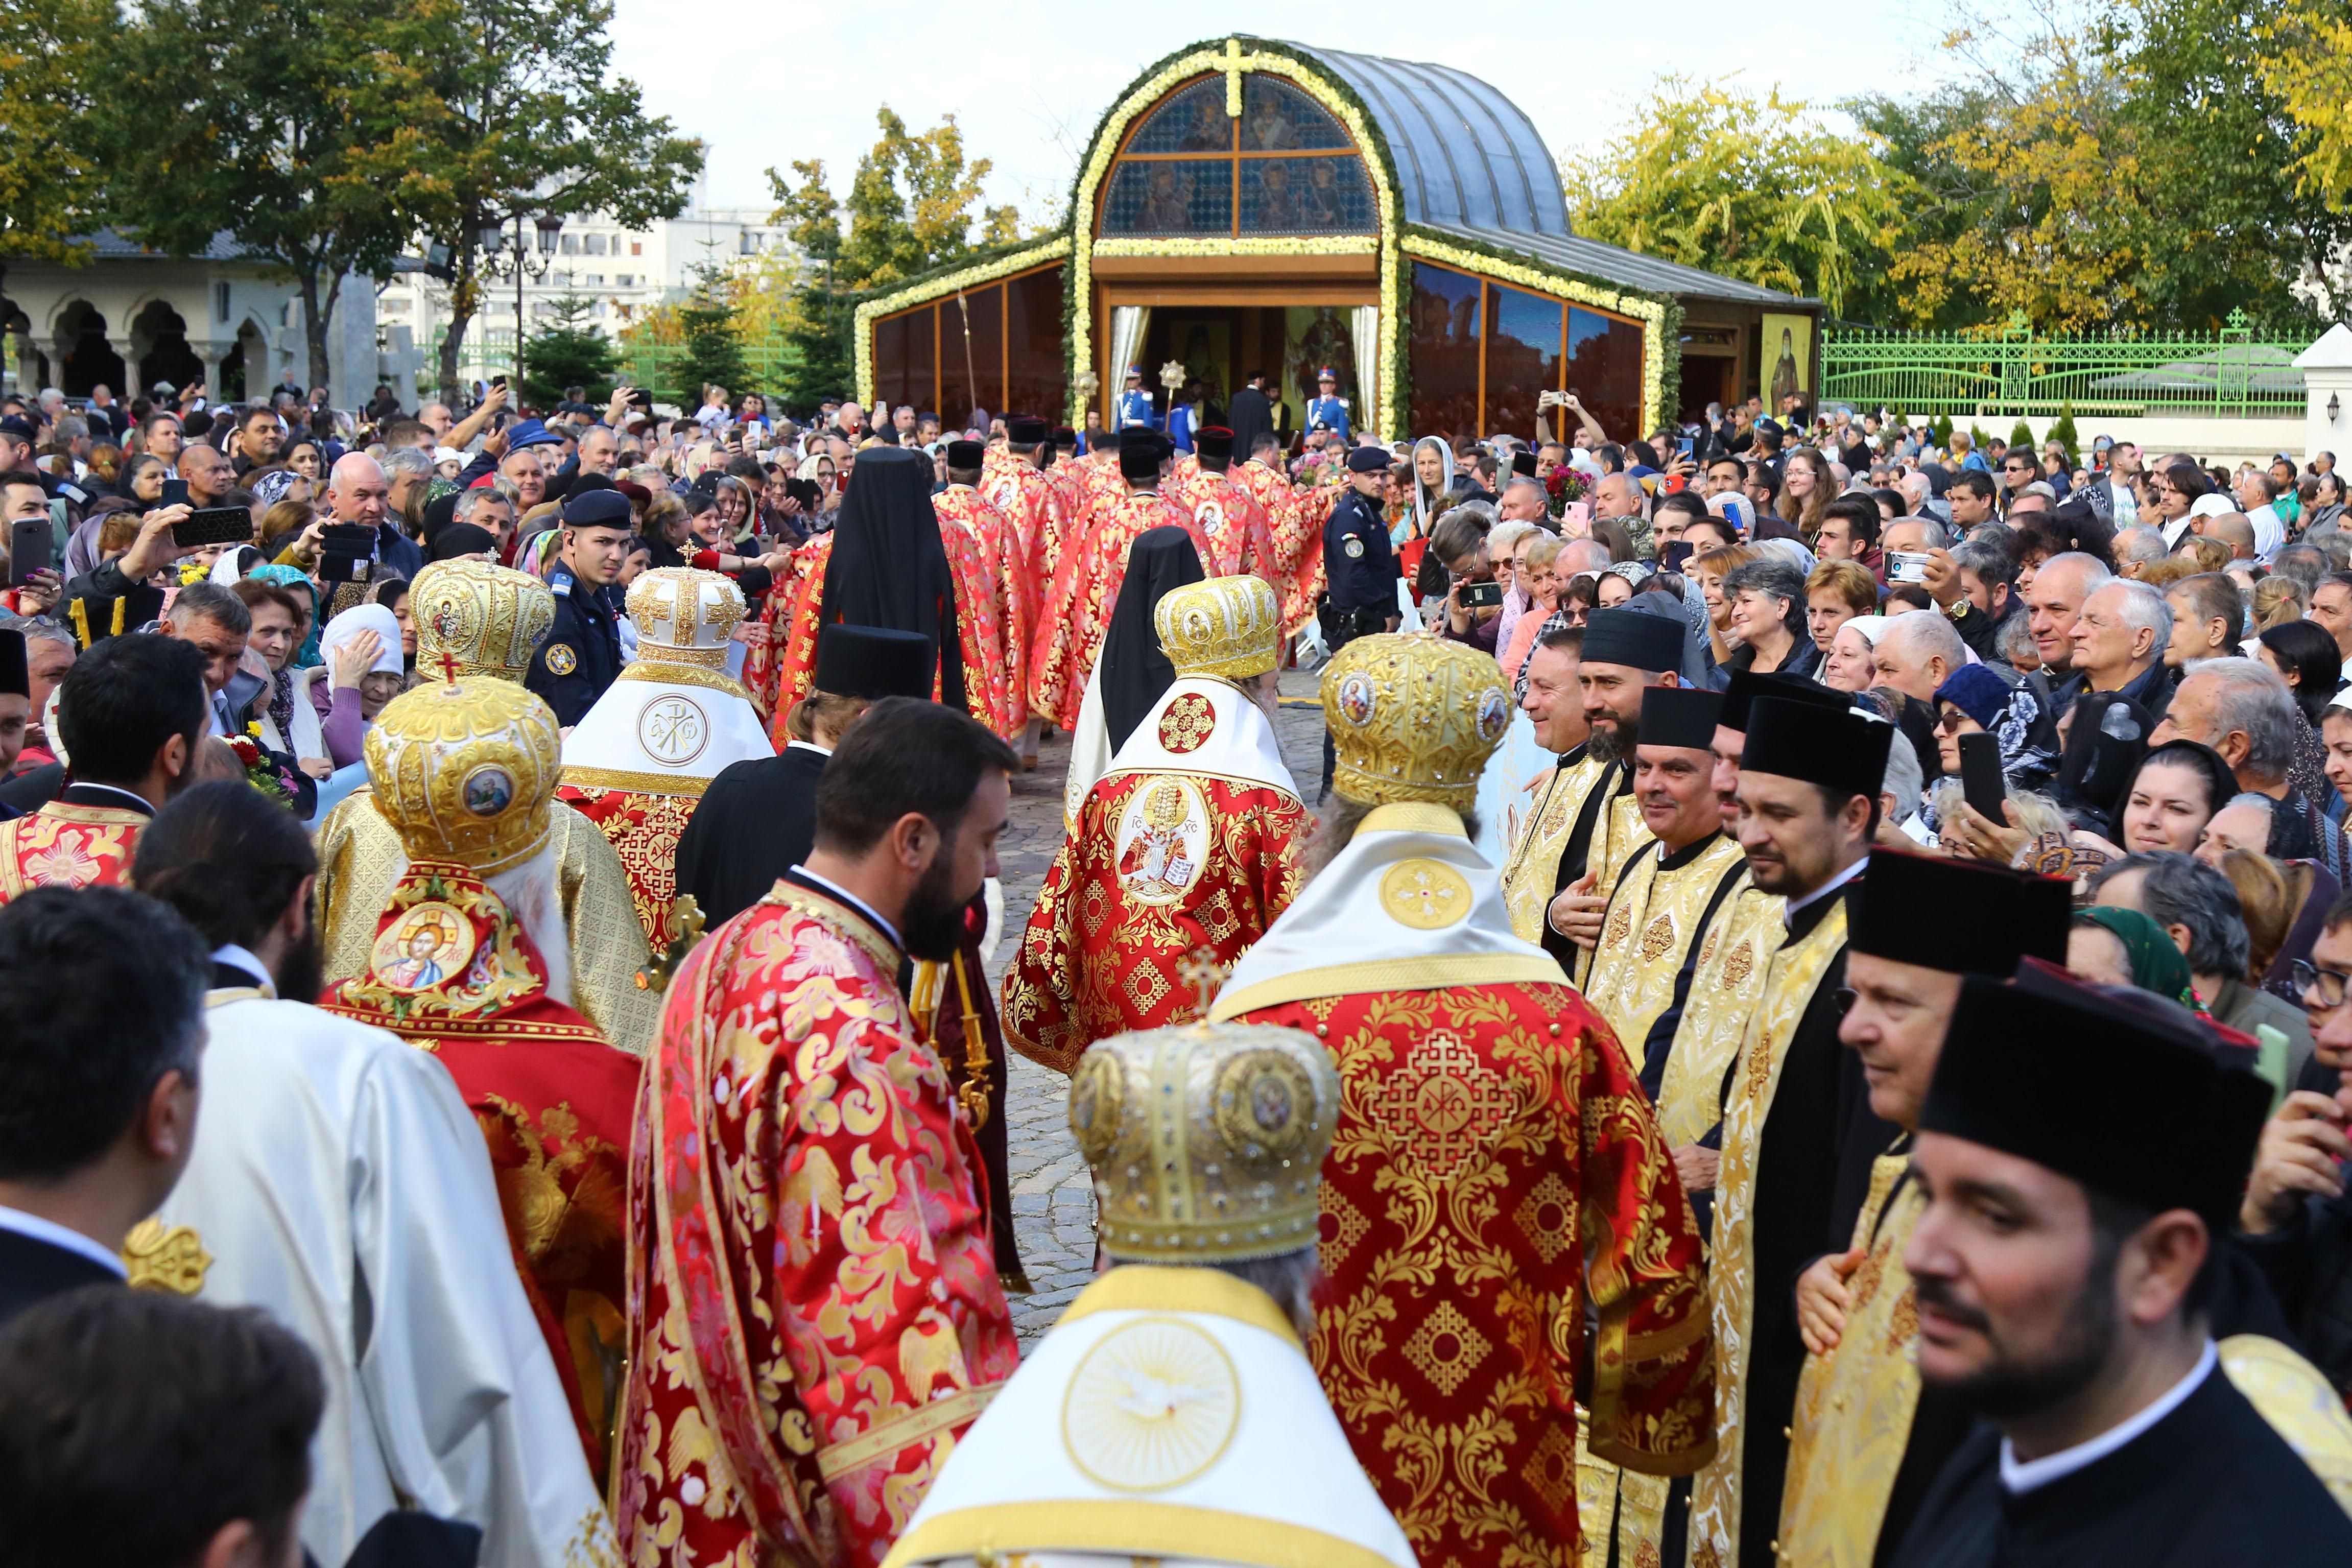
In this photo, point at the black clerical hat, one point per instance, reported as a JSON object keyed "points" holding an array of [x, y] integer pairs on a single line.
{"points": [[966, 454], [14, 680], [1628, 638], [1138, 455], [1025, 430], [2100, 1084], [1679, 716], [1214, 441], [1838, 749], [1746, 687], [1963, 917], [873, 661]]}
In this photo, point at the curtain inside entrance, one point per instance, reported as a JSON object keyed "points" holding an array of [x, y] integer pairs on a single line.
{"points": [[1127, 325], [1364, 328]]}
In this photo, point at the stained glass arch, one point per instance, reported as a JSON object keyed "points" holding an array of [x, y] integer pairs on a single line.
{"points": [[1285, 166]]}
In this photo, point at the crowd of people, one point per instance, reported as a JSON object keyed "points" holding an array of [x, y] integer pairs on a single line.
{"points": [[1803, 1017]]}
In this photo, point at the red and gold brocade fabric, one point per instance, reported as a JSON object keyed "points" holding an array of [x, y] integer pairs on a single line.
{"points": [[1239, 536], [455, 973], [1039, 512], [62, 846], [815, 1315], [1075, 612], [1000, 560], [1296, 517], [1114, 921], [643, 830], [986, 696], [1494, 1155]]}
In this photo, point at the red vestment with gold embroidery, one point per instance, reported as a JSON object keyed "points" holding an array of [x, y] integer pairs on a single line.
{"points": [[815, 1315], [958, 506], [1239, 536], [1496, 1165], [1078, 604], [1296, 518], [1121, 909], [1038, 509], [643, 830], [62, 846], [454, 971]]}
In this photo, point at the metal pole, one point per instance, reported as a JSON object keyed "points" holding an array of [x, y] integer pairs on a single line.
{"points": [[518, 342]]}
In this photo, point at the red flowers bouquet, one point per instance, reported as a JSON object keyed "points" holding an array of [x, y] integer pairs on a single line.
{"points": [[1563, 485], [262, 770]]}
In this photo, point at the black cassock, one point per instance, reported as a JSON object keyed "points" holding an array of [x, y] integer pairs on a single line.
{"points": [[2209, 1485], [756, 821]]}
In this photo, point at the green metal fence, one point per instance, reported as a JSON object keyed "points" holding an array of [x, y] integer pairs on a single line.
{"points": [[2016, 373]]}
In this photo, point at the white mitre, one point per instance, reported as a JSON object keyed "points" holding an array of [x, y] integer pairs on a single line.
{"points": [[675, 717], [1172, 1413]]}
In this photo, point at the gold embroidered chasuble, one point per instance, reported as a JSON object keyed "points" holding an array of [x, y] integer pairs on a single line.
{"points": [[1649, 931], [1855, 1405], [1789, 983], [1733, 959], [1533, 868]]}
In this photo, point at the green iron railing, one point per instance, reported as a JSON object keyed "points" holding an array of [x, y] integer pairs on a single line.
{"points": [[2019, 373]]}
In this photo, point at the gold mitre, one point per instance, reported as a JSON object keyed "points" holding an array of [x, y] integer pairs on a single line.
{"points": [[685, 616], [1413, 718], [1227, 626], [1207, 1141], [487, 618], [464, 770]]}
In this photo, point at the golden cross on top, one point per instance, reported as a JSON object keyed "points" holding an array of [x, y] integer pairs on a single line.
{"points": [[1201, 971], [1233, 63]]}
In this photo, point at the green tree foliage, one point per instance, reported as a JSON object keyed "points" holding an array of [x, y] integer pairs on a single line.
{"points": [[2064, 433], [52, 53], [568, 351], [913, 205], [2021, 434], [526, 119], [714, 344], [1944, 431], [1754, 187], [292, 127]]}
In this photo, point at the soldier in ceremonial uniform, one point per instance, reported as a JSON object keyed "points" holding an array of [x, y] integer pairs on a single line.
{"points": [[1503, 1224], [1359, 570], [1327, 410], [1172, 1415], [581, 655], [2082, 1152], [1135, 404], [1797, 1136]]}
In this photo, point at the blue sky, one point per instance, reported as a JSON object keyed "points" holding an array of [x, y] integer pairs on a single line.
{"points": [[1027, 85]]}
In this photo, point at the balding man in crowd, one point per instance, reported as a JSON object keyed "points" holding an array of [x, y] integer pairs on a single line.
{"points": [[358, 494], [1524, 500], [2243, 710], [2232, 530], [2052, 606], [2119, 639], [207, 474], [523, 470], [2137, 548], [1917, 653]]}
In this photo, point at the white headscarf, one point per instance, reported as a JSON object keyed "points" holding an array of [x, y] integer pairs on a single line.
{"points": [[359, 618], [1424, 516]]}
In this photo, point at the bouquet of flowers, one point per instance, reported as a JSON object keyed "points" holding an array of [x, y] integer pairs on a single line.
{"points": [[1320, 469], [1563, 485], [262, 770]]}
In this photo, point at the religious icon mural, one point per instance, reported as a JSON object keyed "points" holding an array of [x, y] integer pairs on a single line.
{"points": [[1163, 841], [425, 946]]}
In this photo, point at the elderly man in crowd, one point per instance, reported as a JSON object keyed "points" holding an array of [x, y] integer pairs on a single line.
{"points": [[2243, 710], [218, 622], [2208, 619], [1917, 654], [2331, 607], [2052, 605], [2119, 639], [358, 494]]}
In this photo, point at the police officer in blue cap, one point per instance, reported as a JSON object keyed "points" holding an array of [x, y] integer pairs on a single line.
{"points": [[581, 655], [1360, 569], [1329, 410], [1135, 404]]}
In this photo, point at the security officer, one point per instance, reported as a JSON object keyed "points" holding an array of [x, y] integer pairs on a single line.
{"points": [[581, 655], [1328, 411], [1358, 566], [1135, 404]]}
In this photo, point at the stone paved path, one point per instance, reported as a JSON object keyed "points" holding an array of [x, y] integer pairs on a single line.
{"points": [[1053, 1197]]}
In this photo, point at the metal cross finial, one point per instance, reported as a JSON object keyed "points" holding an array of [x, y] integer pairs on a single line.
{"points": [[1201, 971]]}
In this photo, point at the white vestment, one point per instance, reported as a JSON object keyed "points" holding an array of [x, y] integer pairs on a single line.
{"points": [[1170, 1414], [338, 1180]]}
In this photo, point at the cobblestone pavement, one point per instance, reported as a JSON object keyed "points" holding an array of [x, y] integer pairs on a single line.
{"points": [[1053, 1198]]}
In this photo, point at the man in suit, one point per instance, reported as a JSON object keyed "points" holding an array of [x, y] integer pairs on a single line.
{"points": [[1250, 412], [97, 1080]]}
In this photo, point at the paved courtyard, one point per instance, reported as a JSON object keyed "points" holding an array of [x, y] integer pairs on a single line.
{"points": [[1053, 1198]]}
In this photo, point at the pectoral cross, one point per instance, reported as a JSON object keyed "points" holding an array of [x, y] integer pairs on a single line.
{"points": [[1233, 64], [1201, 971]]}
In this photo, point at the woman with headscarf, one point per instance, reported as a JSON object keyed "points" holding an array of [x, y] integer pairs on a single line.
{"points": [[887, 562], [364, 671], [1973, 699], [1132, 673], [2113, 946], [291, 579]]}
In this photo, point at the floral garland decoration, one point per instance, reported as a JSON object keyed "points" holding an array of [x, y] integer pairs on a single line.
{"points": [[1232, 56], [924, 291]]}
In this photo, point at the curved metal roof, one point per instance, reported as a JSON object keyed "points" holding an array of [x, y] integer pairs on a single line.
{"points": [[1466, 156]]}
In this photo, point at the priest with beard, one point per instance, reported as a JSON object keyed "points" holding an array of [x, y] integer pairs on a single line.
{"points": [[2080, 1157], [803, 1156], [442, 1397], [1626, 652], [1798, 1135]]}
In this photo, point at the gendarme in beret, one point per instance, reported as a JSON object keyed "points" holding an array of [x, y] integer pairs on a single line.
{"points": [[1679, 716], [1837, 750], [1367, 460], [602, 507], [1636, 640], [1963, 917]]}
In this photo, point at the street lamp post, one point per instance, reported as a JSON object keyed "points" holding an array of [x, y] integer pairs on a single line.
{"points": [[505, 251]]}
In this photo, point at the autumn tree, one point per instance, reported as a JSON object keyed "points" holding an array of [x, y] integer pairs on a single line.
{"points": [[2299, 52], [50, 76], [1754, 187]]}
